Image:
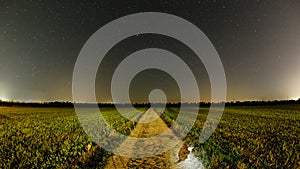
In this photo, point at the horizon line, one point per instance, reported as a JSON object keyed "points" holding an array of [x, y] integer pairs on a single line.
{"points": [[203, 102]]}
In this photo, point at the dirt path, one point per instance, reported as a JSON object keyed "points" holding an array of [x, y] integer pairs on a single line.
{"points": [[150, 124]]}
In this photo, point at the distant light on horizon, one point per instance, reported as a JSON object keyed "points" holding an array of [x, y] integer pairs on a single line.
{"points": [[3, 99], [294, 98]]}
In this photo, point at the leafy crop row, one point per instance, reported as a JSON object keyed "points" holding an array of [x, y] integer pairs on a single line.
{"points": [[248, 137], [52, 138]]}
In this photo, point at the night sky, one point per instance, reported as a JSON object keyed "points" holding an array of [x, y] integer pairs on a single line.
{"points": [[258, 42]]}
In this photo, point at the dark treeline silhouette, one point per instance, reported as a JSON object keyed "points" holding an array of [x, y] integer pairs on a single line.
{"points": [[178, 104], [262, 103], [35, 104]]}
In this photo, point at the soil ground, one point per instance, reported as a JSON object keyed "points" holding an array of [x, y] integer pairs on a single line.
{"points": [[145, 130]]}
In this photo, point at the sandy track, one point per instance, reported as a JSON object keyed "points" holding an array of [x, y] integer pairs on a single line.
{"points": [[144, 130]]}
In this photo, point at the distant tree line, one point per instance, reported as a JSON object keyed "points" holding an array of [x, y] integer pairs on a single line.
{"points": [[262, 103], [178, 104], [35, 104]]}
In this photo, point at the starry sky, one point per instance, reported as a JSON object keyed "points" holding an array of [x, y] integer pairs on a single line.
{"points": [[258, 42]]}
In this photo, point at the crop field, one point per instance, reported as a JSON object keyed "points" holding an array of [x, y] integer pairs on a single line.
{"points": [[251, 137], [246, 137]]}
